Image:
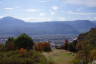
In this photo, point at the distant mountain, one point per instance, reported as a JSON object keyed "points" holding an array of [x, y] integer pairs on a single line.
{"points": [[82, 25], [13, 26], [9, 19]]}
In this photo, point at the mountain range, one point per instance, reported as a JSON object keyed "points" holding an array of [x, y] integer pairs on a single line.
{"points": [[13, 26]]}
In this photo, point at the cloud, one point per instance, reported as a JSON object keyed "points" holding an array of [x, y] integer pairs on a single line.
{"points": [[89, 3], [81, 13], [94, 18], [52, 13], [61, 19], [42, 14], [1, 16], [36, 19], [8, 8], [55, 8], [32, 10]]}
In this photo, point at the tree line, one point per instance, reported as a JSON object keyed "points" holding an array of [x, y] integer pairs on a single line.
{"points": [[26, 42]]}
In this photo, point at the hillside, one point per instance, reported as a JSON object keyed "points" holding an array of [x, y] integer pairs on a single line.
{"points": [[86, 46]]}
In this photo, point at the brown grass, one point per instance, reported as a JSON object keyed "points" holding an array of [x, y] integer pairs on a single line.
{"points": [[59, 56]]}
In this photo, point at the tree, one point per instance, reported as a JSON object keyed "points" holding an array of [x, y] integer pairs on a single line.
{"points": [[10, 44], [47, 47], [72, 46], [66, 45], [24, 41]]}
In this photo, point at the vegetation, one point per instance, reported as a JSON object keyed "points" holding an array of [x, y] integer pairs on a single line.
{"points": [[1, 46], [20, 51], [15, 57], [59, 56], [86, 47], [24, 41], [72, 46], [43, 46], [10, 44], [66, 43]]}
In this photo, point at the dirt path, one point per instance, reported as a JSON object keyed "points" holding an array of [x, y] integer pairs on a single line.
{"points": [[60, 56]]}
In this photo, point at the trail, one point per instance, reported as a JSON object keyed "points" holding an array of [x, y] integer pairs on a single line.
{"points": [[60, 56]]}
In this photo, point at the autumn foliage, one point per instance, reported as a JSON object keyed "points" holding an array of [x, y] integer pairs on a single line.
{"points": [[43, 46], [22, 51]]}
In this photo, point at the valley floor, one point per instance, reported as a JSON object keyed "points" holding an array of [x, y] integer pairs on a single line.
{"points": [[60, 56]]}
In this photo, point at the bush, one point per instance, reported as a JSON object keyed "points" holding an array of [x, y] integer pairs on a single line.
{"points": [[14, 57], [43, 46], [24, 41]]}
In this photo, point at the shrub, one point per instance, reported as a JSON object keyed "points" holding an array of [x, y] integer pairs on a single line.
{"points": [[13, 57], [24, 41], [43, 46]]}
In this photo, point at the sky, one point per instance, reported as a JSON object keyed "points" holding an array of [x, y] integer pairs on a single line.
{"points": [[49, 10]]}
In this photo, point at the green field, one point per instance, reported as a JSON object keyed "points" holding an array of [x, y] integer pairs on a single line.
{"points": [[60, 56]]}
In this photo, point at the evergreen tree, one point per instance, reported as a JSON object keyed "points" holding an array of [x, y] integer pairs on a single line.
{"points": [[24, 41]]}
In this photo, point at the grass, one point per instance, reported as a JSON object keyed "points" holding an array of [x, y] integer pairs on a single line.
{"points": [[59, 56], [15, 57], [55, 57]]}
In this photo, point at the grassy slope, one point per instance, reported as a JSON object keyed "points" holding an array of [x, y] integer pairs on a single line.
{"points": [[60, 56]]}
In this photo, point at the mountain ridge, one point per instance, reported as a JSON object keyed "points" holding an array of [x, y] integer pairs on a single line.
{"points": [[14, 25]]}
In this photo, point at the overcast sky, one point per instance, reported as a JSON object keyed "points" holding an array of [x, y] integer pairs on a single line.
{"points": [[49, 10]]}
